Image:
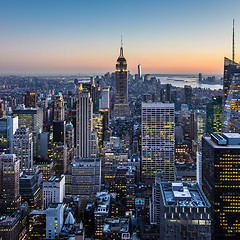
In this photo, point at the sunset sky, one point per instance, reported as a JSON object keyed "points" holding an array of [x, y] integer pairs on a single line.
{"points": [[67, 36]]}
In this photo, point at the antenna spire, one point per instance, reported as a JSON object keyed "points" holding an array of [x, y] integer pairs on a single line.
{"points": [[233, 52], [121, 49]]}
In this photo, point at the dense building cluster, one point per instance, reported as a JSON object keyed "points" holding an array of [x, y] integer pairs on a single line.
{"points": [[119, 157]]}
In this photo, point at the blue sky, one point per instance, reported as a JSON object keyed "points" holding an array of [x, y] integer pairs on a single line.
{"points": [[84, 36]]}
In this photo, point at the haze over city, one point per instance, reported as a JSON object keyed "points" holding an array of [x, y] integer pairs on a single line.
{"points": [[43, 37]]}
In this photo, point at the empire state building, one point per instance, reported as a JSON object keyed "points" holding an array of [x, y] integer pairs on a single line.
{"points": [[121, 106]]}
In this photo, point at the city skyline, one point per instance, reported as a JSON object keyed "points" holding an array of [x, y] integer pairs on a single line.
{"points": [[84, 37]]}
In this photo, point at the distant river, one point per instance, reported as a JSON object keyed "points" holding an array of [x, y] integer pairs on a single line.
{"points": [[180, 81]]}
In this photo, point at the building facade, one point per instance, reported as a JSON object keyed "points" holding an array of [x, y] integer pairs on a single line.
{"points": [[121, 106], [158, 140], [221, 182], [23, 147], [9, 183], [53, 190]]}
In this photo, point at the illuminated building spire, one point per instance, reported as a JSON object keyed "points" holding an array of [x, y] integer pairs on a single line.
{"points": [[233, 53]]}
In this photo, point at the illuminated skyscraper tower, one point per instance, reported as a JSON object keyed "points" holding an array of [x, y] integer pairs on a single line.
{"points": [[230, 67], [221, 183], [158, 122], [121, 107], [231, 109]]}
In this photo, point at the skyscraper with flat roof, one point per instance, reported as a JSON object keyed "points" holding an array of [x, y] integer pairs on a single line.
{"points": [[33, 119], [158, 140], [214, 115], [10, 198], [221, 182], [23, 147], [8, 127], [84, 123]]}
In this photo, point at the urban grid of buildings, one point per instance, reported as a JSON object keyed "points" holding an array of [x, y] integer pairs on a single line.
{"points": [[119, 156]]}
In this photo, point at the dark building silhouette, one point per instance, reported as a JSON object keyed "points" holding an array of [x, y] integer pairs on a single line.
{"points": [[10, 198], [188, 95], [30, 99], [221, 182]]}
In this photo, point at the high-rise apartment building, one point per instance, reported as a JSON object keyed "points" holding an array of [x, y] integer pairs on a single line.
{"points": [[221, 182], [33, 119], [214, 115], [9, 183], [8, 127], [23, 147], [121, 106], [30, 99], [158, 124]]}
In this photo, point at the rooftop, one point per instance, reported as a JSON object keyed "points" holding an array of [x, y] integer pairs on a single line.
{"points": [[183, 194], [224, 141], [55, 179]]}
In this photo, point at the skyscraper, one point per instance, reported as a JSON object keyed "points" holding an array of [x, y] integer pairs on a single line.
{"points": [[8, 127], [23, 147], [139, 72], [33, 119], [230, 68], [214, 115], [188, 95], [158, 123], [59, 125], [9, 183], [30, 99], [58, 114], [221, 182], [231, 109], [84, 122], [121, 107]]}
